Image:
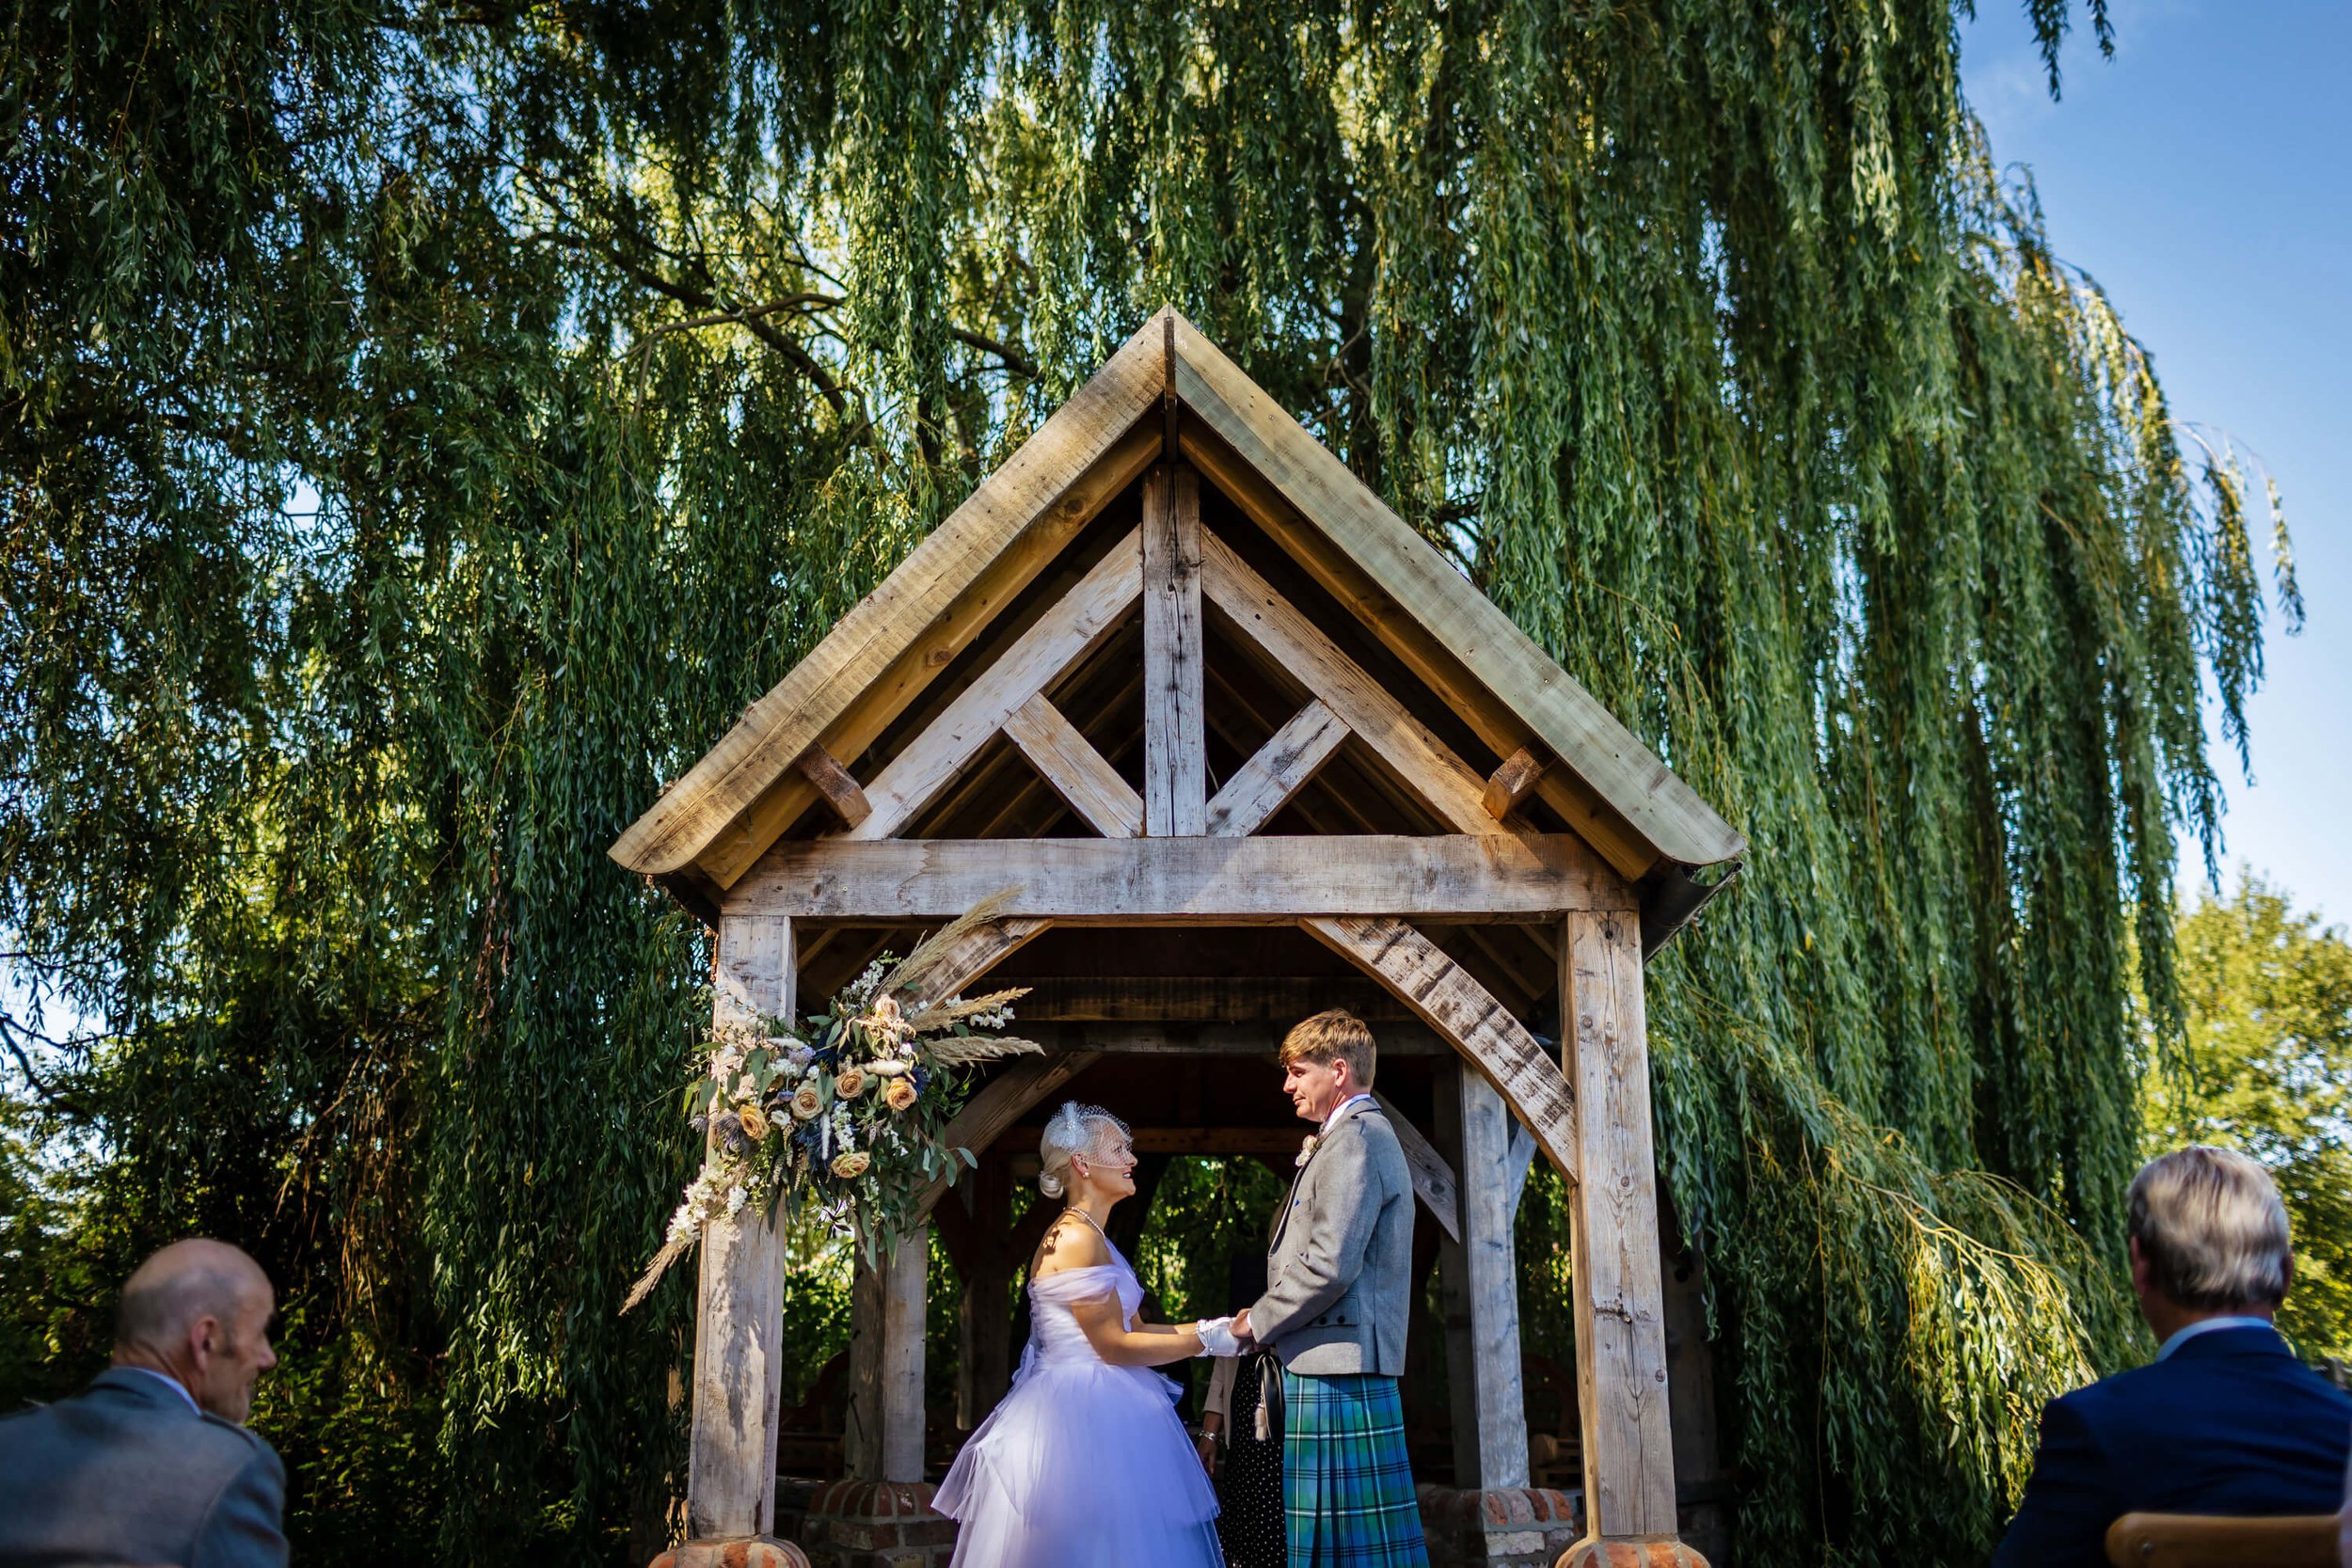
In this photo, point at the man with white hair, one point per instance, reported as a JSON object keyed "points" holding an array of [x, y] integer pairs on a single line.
{"points": [[2226, 1420], [151, 1462]]}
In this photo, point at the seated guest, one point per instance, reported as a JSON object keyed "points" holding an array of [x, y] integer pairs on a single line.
{"points": [[151, 1462], [2225, 1419]]}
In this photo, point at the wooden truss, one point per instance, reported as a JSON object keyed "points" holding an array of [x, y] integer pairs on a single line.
{"points": [[812, 814]]}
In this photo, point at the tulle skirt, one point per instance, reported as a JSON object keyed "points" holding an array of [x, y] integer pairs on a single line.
{"points": [[1084, 1465]]}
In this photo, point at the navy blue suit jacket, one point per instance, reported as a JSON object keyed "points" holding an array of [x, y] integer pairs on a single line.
{"points": [[2231, 1422], [127, 1471]]}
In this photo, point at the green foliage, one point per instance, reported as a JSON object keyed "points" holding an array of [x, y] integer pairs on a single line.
{"points": [[2267, 1068], [425, 428]]}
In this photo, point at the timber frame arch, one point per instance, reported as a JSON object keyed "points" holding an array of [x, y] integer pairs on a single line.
{"points": [[1173, 667]]}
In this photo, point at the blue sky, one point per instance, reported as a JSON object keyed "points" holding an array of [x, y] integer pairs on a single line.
{"points": [[2203, 176]]}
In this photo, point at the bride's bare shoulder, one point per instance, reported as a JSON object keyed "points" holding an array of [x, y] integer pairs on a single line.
{"points": [[1070, 1244]]}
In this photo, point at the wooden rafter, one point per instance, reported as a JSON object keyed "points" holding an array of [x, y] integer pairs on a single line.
{"points": [[1172, 880], [1277, 770], [1434, 1180], [1426, 765], [1335, 811], [1065, 760], [1422, 973], [1350, 521], [1060, 637], [882, 653]]}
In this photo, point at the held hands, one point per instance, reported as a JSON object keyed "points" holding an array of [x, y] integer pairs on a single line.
{"points": [[1241, 1330], [1217, 1336]]}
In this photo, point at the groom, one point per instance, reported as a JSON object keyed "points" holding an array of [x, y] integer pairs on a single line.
{"points": [[1338, 1276]]}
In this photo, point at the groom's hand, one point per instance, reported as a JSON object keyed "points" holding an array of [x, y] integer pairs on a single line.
{"points": [[1241, 1329]]}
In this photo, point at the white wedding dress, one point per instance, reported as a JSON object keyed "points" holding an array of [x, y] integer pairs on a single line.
{"points": [[1084, 1465]]}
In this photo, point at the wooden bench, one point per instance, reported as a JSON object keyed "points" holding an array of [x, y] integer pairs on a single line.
{"points": [[2200, 1540]]}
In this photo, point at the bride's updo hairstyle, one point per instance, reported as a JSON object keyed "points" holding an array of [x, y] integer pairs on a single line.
{"points": [[1076, 1130]]}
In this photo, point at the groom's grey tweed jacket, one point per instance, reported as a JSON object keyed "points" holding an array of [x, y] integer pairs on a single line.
{"points": [[1339, 1273]]}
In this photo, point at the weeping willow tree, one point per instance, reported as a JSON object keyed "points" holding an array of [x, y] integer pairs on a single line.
{"points": [[426, 425]]}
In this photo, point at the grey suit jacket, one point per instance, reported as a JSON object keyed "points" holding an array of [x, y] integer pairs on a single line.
{"points": [[127, 1472], [1339, 1275]]}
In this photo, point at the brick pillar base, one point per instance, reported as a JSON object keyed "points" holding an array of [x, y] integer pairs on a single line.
{"points": [[1524, 1527], [1621, 1553], [878, 1523], [750, 1551]]}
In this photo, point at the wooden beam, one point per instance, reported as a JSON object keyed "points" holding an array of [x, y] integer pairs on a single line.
{"points": [[1433, 1182], [1335, 811], [983, 1307], [872, 711], [948, 588], [1176, 880], [821, 769], [1406, 570], [1265, 784], [1499, 729], [977, 951], [739, 1329], [1000, 1101], [1427, 766], [1175, 759], [1275, 1001], [1513, 782], [1060, 637], [1478, 1276], [1257, 1040], [1620, 1326], [1211, 1142], [1457, 1006], [1068, 762], [882, 1438], [1518, 1158]]}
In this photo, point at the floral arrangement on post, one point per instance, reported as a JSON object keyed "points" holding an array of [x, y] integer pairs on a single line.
{"points": [[843, 1117]]}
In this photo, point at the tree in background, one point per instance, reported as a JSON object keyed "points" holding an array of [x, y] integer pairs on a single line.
{"points": [[2266, 1068], [424, 428]]}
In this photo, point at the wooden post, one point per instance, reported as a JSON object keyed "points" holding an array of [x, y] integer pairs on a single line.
{"points": [[884, 1440], [984, 1315], [1478, 1276], [739, 1328], [1175, 767], [1620, 1322]]}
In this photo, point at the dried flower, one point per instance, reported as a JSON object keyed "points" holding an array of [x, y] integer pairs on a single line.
{"points": [[888, 1067], [754, 1122], [900, 1095], [849, 1083], [807, 1103], [852, 1164], [1306, 1152]]}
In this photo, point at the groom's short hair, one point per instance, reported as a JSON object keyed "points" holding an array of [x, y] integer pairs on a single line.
{"points": [[1335, 1036]]}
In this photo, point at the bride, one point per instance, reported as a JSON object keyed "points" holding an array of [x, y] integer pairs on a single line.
{"points": [[1084, 1464]]}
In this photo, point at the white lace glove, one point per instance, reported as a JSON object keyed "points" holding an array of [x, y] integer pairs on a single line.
{"points": [[1217, 1336]]}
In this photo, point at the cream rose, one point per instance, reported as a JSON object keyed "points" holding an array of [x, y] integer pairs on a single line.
{"points": [[849, 1083], [754, 1122], [901, 1094], [806, 1102], [852, 1164]]}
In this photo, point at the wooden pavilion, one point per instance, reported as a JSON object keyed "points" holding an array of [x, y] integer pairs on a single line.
{"points": [[1242, 745]]}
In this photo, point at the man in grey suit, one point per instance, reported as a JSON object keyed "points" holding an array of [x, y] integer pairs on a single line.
{"points": [[151, 1462], [1339, 1279]]}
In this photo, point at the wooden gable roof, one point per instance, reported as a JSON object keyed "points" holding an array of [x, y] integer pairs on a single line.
{"points": [[1170, 383]]}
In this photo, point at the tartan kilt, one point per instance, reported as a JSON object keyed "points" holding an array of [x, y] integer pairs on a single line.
{"points": [[1347, 1490]]}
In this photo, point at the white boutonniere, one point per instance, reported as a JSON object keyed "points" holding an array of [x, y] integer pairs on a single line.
{"points": [[1306, 1152]]}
